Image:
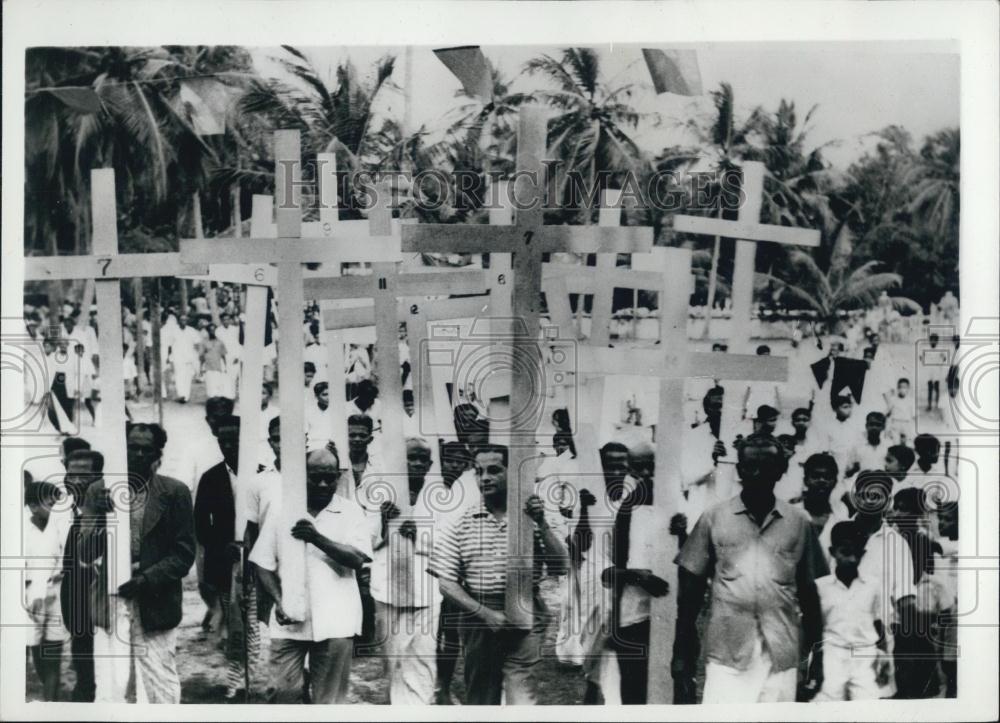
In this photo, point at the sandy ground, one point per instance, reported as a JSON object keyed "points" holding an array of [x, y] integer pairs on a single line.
{"points": [[200, 656]]}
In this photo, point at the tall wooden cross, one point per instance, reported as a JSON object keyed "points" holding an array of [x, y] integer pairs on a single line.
{"points": [[671, 363], [107, 267], [350, 241], [748, 230], [527, 240], [417, 314]]}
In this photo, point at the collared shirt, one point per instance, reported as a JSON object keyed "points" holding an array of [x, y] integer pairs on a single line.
{"points": [[849, 613], [888, 561], [255, 502], [333, 600], [473, 553], [755, 573]]}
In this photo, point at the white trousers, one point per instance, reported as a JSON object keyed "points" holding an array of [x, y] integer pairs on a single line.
{"points": [[759, 683], [183, 375], [848, 675], [410, 651], [148, 675], [217, 384]]}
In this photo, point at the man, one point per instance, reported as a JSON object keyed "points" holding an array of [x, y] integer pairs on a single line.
{"points": [[215, 514], [763, 559], [898, 460], [308, 375], [364, 463], [366, 402], [163, 550], [185, 344], [902, 413], [83, 468], [819, 479], [888, 560], [853, 650], [934, 370], [590, 546], [337, 546], [870, 453], [214, 360], [249, 605], [704, 479], [319, 420], [229, 333], [842, 435], [406, 610], [630, 577], [457, 477], [44, 530], [469, 560]]}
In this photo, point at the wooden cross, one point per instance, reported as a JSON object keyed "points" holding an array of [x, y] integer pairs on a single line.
{"points": [[417, 314], [107, 267], [748, 230], [672, 364], [349, 241], [527, 240]]}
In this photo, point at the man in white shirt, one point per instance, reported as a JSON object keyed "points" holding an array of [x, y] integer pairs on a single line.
{"points": [[319, 420], [406, 610], [841, 435], [229, 333], [630, 577], [185, 353], [337, 546]]}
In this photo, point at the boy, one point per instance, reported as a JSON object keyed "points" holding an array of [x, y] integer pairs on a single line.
{"points": [[852, 654], [901, 412]]}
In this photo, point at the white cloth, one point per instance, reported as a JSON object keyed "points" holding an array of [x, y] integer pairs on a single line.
{"points": [[43, 575], [329, 586], [759, 683], [902, 421], [217, 384], [849, 613], [410, 636], [154, 678], [849, 675]]}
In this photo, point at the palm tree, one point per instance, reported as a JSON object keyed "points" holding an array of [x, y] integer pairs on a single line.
{"points": [[333, 119], [934, 177], [483, 138], [828, 294], [591, 133]]}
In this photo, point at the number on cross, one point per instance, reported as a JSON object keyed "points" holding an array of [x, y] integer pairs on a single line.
{"points": [[382, 283]]}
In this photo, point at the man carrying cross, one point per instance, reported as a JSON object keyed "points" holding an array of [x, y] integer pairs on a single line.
{"points": [[469, 561]]}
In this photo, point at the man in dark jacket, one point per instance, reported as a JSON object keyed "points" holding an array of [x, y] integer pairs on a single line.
{"points": [[163, 550], [215, 510]]}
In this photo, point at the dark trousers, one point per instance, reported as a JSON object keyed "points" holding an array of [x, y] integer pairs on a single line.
{"points": [[449, 643], [82, 649], [916, 657], [501, 664], [631, 646]]}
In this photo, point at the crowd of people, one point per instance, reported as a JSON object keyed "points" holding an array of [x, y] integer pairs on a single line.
{"points": [[817, 546]]}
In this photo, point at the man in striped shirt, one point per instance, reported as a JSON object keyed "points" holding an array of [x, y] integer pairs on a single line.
{"points": [[470, 561]]}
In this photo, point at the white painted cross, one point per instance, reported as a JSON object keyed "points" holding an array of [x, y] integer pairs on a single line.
{"points": [[350, 241], [527, 240], [748, 230], [672, 364], [108, 268]]}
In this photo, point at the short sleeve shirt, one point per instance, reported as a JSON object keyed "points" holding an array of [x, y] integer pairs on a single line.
{"points": [[849, 612], [333, 600], [755, 573], [473, 553]]}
